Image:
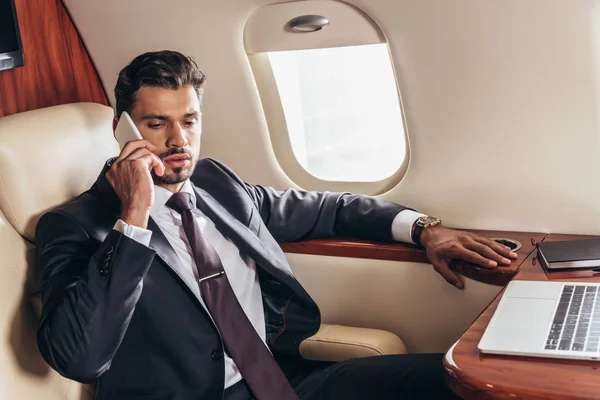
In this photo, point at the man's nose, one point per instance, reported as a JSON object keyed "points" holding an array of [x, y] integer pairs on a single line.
{"points": [[178, 137]]}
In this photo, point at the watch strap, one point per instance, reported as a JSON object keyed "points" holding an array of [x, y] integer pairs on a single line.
{"points": [[416, 234]]}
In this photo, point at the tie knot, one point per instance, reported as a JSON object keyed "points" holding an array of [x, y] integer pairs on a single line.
{"points": [[180, 202]]}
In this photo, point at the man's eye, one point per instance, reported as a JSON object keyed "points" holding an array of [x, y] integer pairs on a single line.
{"points": [[154, 126], [190, 123]]}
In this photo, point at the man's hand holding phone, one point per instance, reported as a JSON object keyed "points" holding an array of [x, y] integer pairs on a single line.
{"points": [[130, 177]]}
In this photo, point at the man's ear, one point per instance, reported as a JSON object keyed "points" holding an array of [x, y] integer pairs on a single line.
{"points": [[115, 122]]}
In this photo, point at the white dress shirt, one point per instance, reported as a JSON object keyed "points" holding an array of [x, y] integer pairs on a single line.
{"points": [[240, 269]]}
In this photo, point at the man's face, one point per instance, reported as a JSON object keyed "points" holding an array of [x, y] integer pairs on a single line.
{"points": [[171, 121]]}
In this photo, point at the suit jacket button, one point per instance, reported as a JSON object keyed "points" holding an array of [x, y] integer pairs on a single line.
{"points": [[104, 271], [216, 355]]}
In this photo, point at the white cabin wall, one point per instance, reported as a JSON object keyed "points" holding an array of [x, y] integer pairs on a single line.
{"points": [[500, 97]]}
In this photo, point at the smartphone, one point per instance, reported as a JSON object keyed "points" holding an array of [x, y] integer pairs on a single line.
{"points": [[126, 130]]}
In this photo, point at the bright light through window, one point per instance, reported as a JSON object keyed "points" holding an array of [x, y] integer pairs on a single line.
{"points": [[342, 111]]}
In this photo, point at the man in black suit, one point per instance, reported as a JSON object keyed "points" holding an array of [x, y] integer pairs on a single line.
{"points": [[165, 280]]}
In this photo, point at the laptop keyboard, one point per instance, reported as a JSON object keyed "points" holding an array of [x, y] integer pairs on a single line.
{"points": [[576, 324]]}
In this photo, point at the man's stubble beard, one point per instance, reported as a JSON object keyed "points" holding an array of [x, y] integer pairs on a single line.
{"points": [[178, 175]]}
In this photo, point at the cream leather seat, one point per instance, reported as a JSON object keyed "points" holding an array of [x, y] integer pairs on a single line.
{"points": [[47, 157]]}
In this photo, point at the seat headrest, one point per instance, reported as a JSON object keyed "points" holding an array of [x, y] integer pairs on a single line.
{"points": [[48, 156]]}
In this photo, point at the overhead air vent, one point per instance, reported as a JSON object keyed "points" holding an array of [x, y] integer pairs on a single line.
{"points": [[308, 23]]}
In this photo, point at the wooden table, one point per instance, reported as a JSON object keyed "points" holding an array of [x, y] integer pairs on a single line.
{"points": [[473, 375]]}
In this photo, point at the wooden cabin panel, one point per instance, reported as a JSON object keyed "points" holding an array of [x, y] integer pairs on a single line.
{"points": [[58, 69]]}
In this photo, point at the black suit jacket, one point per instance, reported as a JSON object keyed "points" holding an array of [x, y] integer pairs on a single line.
{"points": [[124, 314]]}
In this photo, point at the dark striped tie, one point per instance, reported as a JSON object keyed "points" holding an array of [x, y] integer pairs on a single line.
{"points": [[248, 351]]}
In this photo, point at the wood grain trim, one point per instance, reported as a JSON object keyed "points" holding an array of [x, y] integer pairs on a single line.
{"points": [[354, 248], [58, 69]]}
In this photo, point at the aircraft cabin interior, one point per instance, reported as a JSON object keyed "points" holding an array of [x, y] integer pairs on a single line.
{"points": [[484, 114]]}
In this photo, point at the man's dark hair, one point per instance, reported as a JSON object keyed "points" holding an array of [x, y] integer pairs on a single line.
{"points": [[166, 69]]}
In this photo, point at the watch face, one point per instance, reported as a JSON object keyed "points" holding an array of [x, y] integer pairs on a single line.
{"points": [[428, 221]]}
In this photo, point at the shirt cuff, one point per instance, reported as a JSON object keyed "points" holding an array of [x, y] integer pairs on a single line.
{"points": [[140, 235], [402, 225]]}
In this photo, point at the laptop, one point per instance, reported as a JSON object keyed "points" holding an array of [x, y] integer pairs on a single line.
{"points": [[546, 319]]}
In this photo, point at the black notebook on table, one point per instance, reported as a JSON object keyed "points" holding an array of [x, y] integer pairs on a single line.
{"points": [[570, 254]]}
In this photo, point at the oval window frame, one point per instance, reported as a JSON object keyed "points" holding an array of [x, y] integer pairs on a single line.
{"points": [[267, 31]]}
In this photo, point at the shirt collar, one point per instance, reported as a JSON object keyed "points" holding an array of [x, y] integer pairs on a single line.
{"points": [[162, 195]]}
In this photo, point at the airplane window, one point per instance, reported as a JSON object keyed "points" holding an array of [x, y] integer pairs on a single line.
{"points": [[342, 111]]}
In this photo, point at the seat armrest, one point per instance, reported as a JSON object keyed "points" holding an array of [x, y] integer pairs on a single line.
{"points": [[340, 343]]}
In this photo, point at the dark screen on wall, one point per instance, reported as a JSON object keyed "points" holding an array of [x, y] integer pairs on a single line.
{"points": [[8, 33]]}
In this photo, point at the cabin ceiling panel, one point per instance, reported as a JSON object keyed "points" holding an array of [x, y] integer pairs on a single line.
{"points": [[501, 98]]}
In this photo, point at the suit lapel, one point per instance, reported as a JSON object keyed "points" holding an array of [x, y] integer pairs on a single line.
{"points": [[165, 251], [242, 236]]}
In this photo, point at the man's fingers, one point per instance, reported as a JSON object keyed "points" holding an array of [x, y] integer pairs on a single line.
{"points": [[158, 166], [138, 153], [487, 252], [152, 161], [132, 146], [442, 268], [497, 247], [464, 253]]}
